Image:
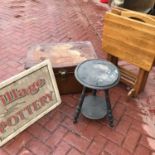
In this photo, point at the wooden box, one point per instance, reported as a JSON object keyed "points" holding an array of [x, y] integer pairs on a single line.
{"points": [[64, 58]]}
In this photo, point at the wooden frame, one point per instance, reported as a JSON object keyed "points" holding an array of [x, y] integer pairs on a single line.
{"points": [[25, 98]]}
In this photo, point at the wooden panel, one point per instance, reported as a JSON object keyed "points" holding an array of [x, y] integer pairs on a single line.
{"points": [[121, 11], [124, 37], [137, 36], [143, 17], [129, 13]]}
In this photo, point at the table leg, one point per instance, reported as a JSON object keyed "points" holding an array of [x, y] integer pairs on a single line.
{"points": [[141, 81], [109, 111], [78, 109]]}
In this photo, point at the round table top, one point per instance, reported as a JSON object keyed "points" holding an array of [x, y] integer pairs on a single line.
{"points": [[97, 74]]}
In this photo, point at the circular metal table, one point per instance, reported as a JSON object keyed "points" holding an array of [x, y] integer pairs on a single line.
{"points": [[96, 74]]}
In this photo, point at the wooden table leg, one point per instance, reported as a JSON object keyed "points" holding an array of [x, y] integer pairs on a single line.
{"points": [[141, 81]]}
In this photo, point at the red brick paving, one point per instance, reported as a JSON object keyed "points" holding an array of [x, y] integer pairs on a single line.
{"points": [[24, 23]]}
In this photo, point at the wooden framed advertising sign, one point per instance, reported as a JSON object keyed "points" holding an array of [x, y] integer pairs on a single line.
{"points": [[25, 98]]}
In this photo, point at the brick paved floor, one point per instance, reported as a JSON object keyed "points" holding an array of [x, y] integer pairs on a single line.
{"points": [[27, 22]]}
